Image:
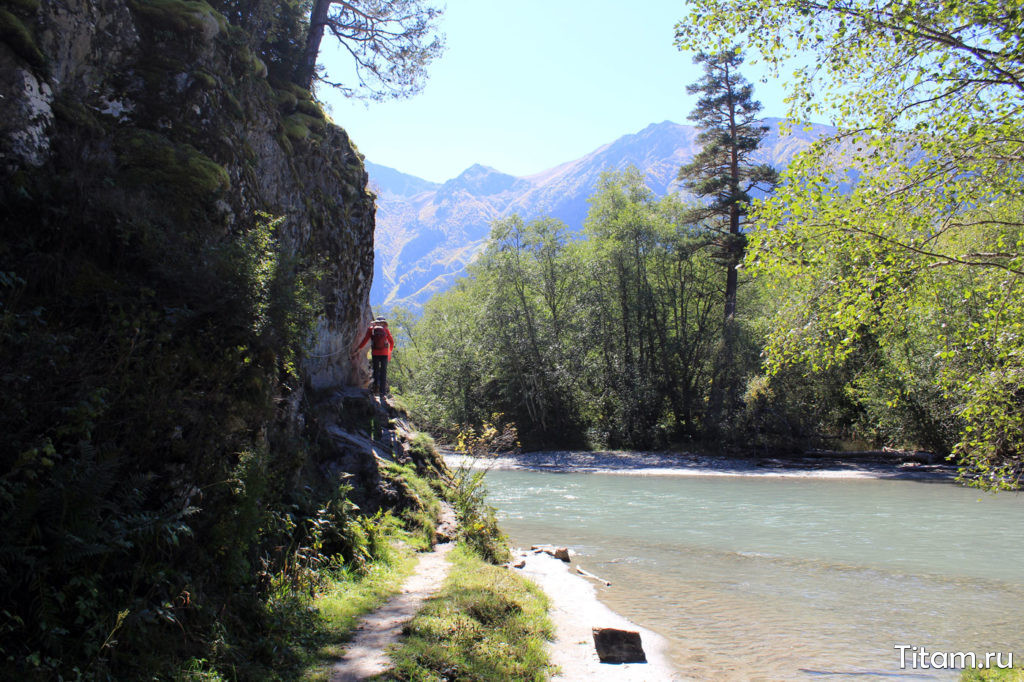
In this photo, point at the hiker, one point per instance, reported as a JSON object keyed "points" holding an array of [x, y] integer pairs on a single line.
{"points": [[381, 345]]}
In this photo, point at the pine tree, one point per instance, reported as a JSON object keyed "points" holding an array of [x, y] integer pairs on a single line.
{"points": [[391, 42], [723, 173]]}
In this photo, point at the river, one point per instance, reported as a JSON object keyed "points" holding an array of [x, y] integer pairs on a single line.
{"points": [[781, 578]]}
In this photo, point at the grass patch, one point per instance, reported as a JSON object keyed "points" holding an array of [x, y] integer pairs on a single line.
{"points": [[487, 623], [311, 612], [346, 595]]}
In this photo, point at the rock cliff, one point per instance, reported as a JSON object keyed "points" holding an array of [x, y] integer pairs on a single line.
{"points": [[186, 249], [172, 98]]}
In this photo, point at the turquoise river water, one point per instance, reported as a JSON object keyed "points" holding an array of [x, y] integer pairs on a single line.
{"points": [[773, 578]]}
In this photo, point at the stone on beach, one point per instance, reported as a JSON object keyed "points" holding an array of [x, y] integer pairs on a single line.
{"points": [[561, 553], [618, 646]]}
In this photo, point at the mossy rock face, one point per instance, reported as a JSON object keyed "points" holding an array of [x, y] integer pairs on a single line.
{"points": [[181, 169], [316, 125], [233, 106], [248, 63], [299, 91], [181, 16], [156, 68], [20, 39], [286, 144]]}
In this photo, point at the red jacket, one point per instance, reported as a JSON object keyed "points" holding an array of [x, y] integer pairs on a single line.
{"points": [[379, 351]]}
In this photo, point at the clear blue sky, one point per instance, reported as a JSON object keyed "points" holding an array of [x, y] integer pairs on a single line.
{"points": [[527, 85]]}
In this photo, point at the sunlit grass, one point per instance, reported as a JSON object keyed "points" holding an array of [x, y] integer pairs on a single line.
{"points": [[487, 623]]}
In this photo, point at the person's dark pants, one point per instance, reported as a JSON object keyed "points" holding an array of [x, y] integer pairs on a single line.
{"points": [[380, 373]]}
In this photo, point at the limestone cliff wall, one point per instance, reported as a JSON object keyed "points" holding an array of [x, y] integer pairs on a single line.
{"points": [[166, 101]]}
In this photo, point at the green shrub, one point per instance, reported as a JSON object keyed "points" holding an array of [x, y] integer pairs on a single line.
{"points": [[478, 521]]}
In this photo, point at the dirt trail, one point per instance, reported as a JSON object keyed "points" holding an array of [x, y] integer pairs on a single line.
{"points": [[365, 655]]}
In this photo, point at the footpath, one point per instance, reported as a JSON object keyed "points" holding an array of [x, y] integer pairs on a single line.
{"points": [[366, 655]]}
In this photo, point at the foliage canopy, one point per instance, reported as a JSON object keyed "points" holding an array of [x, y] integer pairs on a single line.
{"points": [[919, 267]]}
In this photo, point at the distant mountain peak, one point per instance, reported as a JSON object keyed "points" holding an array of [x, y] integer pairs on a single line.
{"points": [[478, 169], [661, 126], [481, 180], [387, 180], [428, 233]]}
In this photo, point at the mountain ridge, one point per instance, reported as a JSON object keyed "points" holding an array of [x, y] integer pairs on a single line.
{"points": [[428, 232]]}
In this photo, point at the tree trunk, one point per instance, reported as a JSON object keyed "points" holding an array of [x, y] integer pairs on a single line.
{"points": [[724, 364], [731, 279], [317, 21]]}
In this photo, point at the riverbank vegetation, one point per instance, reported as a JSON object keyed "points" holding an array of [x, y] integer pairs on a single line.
{"points": [[309, 612], [879, 295]]}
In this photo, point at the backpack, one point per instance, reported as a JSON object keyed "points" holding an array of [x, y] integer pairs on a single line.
{"points": [[379, 337]]}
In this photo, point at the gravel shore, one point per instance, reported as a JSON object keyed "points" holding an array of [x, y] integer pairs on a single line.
{"points": [[575, 609], [916, 466]]}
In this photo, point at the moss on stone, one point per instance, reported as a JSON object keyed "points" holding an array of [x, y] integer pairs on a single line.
{"points": [[181, 16], [316, 125], [295, 128], [241, 64], [302, 127], [285, 143], [205, 79], [20, 39], [179, 168], [286, 101], [233, 106], [310, 108], [70, 110], [155, 67], [259, 67], [299, 91]]}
